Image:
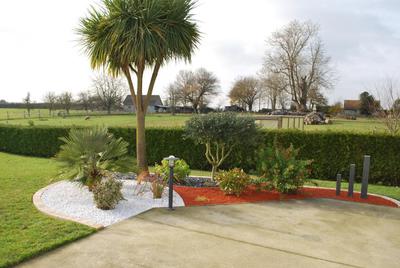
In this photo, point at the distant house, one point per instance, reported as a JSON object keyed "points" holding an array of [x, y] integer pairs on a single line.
{"points": [[351, 107], [154, 104]]}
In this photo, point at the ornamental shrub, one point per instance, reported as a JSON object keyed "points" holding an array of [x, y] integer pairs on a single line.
{"points": [[234, 181], [221, 133], [87, 153], [107, 193], [281, 168], [181, 170]]}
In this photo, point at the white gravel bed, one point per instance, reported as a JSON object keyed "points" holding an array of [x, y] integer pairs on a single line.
{"points": [[74, 201]]}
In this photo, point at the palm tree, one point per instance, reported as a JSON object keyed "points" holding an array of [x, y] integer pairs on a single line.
{"points": [[128, 36]]}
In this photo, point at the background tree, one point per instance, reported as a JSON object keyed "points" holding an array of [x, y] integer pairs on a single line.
{"points": [[335, 109], [173, 97], [50, 99], [196, 87], [158, 31], [220, 133], [367, 104], [28, 103], [85, 99], [388, 91], [246, 90], [297, 53], [109, 91], [274, 88], [65, 100]]}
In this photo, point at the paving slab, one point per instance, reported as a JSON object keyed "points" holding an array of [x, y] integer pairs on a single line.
{"points": [[301, 233]]}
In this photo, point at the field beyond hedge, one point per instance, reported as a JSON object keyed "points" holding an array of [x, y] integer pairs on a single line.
{"points": [[364, 125]]}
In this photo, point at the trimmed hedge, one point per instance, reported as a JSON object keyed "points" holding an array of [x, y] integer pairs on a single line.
{"points": [[333, 152]]}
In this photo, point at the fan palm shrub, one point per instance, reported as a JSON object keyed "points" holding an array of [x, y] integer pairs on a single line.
{"points": [[87, 153]]}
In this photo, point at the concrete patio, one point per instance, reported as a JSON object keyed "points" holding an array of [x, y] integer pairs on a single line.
{"points": [[308, 233]]}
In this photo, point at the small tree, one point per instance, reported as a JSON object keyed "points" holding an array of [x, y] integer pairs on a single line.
{"points": [[109, 91], [220, 133], [65, 100], [50, 99], [245, 90], [28, 103]]}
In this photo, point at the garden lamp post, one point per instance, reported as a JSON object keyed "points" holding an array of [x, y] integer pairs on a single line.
{"points": [[171, 163]]}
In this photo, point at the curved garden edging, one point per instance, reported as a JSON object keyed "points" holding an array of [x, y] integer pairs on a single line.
{"points": [[68, 201]]}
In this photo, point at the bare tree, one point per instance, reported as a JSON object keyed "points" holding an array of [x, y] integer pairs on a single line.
{"points": [[65, 100], [196, 87], [297, 53], [274, 88], [109, 90], [173, 97], [85, 99], [28, 103], [245, 91], [388, 92], [50, 99]]}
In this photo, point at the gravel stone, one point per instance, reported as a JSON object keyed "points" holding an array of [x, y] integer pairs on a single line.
{"points": [[76, 201]]}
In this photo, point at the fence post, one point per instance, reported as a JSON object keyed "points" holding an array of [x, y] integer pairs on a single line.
{"points": [[364, 183], [338, 183], [279, 122], [351, 180]]}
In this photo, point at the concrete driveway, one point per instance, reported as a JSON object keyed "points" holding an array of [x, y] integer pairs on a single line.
{"points": [[308, 233]]}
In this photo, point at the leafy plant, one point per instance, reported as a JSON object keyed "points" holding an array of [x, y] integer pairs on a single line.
{"points": [[281, 168], [234, 181], [221, 133], [157, 187], [107, 193], [31, 123], [87, 153], [181, 170]]}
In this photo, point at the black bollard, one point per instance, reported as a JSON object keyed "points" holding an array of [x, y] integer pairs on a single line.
{"points": [[351, 180], [171, 188], [338, 183], [364, 183]]}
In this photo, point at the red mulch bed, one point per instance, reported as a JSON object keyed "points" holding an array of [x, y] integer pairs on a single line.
{"points": [[214, 196]]}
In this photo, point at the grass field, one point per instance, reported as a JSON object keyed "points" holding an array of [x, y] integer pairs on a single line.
{"points": [[166, 120], [26, 232]]}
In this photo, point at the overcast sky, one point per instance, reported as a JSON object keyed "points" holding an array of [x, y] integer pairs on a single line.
{"points": [[39, 51]]}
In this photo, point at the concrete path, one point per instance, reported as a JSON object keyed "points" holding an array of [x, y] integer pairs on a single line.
{"points": [[308, 233]]}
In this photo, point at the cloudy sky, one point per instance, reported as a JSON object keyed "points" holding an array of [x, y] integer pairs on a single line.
{"points": [[39, 51]]}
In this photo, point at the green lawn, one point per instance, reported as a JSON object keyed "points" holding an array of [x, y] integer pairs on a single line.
{"points": [[24, 231], [359, 125]]}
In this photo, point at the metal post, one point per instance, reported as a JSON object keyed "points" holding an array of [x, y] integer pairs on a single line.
{"points": [[171, 188], [338, 183], [351, 180], [364, 183]]}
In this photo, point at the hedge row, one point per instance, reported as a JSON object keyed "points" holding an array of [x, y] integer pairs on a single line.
{"points": [[332, 152]]}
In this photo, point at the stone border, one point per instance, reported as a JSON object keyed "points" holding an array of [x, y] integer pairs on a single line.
{"points": [[397, 202], [37, 201]]}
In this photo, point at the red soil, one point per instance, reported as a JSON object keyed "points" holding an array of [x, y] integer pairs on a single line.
{"points": [[213, 196]]}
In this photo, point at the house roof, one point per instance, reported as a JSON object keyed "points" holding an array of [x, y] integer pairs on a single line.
{"points": [[154, 100], [351, 105]]}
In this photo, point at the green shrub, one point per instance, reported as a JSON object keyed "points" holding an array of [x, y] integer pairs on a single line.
{"points": [[234, 181], [333, 151], [107, 193], [87, 153], [220, 133], [281, 168], [181, 170]]}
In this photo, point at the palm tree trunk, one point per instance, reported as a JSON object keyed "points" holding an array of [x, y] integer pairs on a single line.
{"points": [[141, 141]]}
